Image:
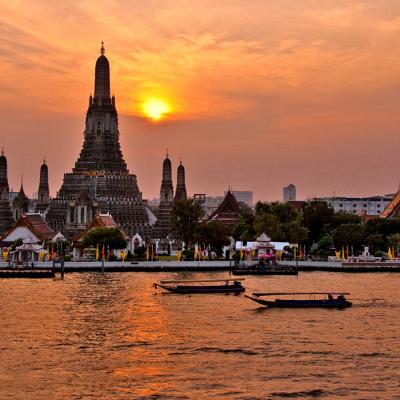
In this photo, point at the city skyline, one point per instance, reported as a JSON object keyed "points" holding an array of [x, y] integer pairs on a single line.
{"points": [[253, 104]]}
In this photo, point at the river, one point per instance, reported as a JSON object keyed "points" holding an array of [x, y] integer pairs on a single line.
{"points": [[114, 337]]}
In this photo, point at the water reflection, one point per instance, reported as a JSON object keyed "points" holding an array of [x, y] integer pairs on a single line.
{"points": [[111, 336]]}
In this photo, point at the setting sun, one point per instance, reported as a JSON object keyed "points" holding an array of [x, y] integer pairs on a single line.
{"points": [[155, 108]]}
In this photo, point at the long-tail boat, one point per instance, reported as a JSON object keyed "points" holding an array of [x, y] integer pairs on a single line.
{"points": [[328, 301], [200, 286]]}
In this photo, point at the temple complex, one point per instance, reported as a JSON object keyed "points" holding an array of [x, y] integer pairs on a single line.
{"points": [[180, 193], [163, 224], [43, 191], [6, 216], [100, 181]]}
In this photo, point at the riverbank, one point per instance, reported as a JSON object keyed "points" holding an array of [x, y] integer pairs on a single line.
{"points": [[209, 266]]}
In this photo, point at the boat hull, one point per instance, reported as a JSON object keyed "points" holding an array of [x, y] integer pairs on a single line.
{"points": [[27, 273], [278, 303], [265, 272], [203, 289]]}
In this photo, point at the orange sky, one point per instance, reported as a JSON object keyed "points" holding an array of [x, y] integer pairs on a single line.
{"points": [[263, 93]]}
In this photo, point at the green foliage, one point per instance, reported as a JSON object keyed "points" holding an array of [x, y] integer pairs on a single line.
{"points": [[317, 217], [351, 234], [185, 217], [245, 230], [213, 234], [112, 238], [325, 247]]}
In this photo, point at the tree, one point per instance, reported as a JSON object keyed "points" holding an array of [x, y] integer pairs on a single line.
{"points": [[270, 224], [112, 238], [349, 235], [244, 230], [214, 234], [376, 242], [325, 247], [317, 218], [185, 217]]}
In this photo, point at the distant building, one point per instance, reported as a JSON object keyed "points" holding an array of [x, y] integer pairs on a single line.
{"points": [[243, 196], [357, 205], [289, 193]]}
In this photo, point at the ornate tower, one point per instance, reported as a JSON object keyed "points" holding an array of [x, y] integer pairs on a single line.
{"points": [[163, 226], [20, 204], [180, 193], [6, 216], [43, 191], [100, 180], [167, 188]]}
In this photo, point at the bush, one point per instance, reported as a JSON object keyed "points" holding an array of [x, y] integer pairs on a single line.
{"points": [[67, 258], [112, 257]]}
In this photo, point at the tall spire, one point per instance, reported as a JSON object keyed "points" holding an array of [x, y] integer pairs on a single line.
{"points": [[4, 188], [167, 189], [43, 191], [102, 76], [180, 193]]}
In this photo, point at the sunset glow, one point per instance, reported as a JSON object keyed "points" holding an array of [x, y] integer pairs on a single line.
{"points": [[156, 109], [315, 81]]}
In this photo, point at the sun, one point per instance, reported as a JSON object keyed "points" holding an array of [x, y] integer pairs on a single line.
{"points": [[155, 109]]}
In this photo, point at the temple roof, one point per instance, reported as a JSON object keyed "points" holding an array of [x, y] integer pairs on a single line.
{"points": [[36, 224], [228, 212]]}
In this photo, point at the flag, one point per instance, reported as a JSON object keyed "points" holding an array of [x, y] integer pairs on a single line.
{"points": [[152, 252], [195, 252], [103, 253], [393, 253], [347, 251], [343, 255], [241, 252], [48, 252], [97, 253], [301, 253], [52, 251], [295, 251], [147, 252], [389, 253]]}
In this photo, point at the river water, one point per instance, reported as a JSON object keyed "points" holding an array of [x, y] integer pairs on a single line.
{"points": [[115, 337]]}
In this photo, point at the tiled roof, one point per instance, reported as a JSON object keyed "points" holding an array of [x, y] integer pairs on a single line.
{"points": [[36, 224]]}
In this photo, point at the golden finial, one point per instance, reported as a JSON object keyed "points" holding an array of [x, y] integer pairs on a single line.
{"points": [[102, 49]]}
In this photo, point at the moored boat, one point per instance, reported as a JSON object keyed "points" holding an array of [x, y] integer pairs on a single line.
{"points": [[199, 286], [265, 271], [26, 273], [309, 300]]}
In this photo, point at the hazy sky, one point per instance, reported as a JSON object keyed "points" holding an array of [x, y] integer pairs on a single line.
{"points": [[262, 93]]}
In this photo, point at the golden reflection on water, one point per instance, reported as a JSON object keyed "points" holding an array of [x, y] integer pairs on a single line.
{"points": [[115, 337]]}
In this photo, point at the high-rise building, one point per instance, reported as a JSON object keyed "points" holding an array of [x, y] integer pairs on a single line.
{"points": [[289, 193], [100, 181]]}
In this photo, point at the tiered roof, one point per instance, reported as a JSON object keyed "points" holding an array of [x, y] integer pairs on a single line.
{"points": [[35, 224], [228, 212]]}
